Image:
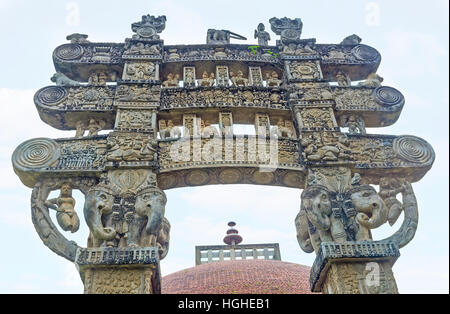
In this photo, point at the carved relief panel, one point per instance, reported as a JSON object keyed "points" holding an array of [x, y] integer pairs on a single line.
{"points": [[136, 120], [137, 71], [315, 118], [303, 70]]}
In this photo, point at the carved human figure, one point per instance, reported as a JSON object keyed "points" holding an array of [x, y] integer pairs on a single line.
{"points": [[148, 150], [206, 80], [65, 209], [343, 79], [95, 126], [98, 203], [238, 79], [207, 129], [115, 151], [283, 130], [174, 131], [272, 79], [172, 80], [80, 129], [262, 35]]}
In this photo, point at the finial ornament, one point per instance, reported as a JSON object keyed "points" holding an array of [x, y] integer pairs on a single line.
{"points": [[232, 237], [149, 27]]}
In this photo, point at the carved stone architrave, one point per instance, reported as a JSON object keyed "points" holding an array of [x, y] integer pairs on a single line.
{"points": [[222, 75], [255, 76]]}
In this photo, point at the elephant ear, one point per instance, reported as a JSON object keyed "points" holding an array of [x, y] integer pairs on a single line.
{"points": [[163, 239], [303, 239]]}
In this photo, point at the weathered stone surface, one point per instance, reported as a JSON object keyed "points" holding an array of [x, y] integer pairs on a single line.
{"points": [[176, 112]]}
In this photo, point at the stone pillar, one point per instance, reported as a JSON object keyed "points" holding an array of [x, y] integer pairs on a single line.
{"points": [[119, 271], [355, 268]]}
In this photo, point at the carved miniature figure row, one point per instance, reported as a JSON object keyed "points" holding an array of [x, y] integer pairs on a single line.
{"points": [[223, 78], [194, 125], [298, 70]]}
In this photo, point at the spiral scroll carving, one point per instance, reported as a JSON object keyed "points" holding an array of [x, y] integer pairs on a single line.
{"points": [[413, 149], [365, 53], [35, 154], [50, 95], [69, 52], [388, 96]]}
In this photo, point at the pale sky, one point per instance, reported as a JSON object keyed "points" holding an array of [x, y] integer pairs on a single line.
{"points": [[412, 37]]}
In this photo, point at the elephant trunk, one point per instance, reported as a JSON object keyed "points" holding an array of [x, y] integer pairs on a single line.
{"points": [[379, 216], [155, 220], [93, 214], [319, 220]]}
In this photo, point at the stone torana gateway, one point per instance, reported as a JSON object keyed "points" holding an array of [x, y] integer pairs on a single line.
{"points": [[172, 109]]}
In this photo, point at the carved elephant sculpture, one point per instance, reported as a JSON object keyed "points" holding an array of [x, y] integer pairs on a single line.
{"points": [[99, 202], [148, 221], [372, 211], [315, 222]]}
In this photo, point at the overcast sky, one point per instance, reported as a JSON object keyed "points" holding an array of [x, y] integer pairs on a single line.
{"points": [[412, 37]]}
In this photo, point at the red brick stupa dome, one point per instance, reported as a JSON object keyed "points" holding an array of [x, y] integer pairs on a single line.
{"points": [[240, 276]]}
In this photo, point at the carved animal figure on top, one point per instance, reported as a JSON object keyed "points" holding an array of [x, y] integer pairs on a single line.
{"points": [[351, 40], [373, 80], [221, 36], [77, 38], [62, 80]]}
